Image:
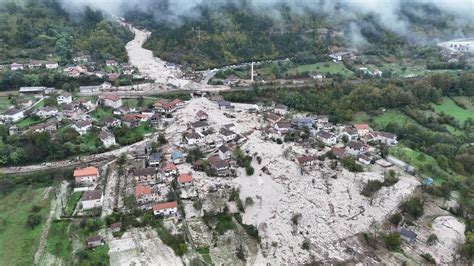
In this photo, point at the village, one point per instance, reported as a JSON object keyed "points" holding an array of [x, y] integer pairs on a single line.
{"points": [[216, 158]]}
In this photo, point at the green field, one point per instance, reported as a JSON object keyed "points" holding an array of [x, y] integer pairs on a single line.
{"points": [[18, 243], [324, 68], [89, 143], [468, 102], [72, 201], [360, 117], [58, 242], [101, 113], [134, 102], [29, 121], [449, 107], [422, 162], [398, 117], [4, 104]]}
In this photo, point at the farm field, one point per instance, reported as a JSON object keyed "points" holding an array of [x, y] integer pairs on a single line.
{"points": [[449, 107], [135, 102], [324, 68], [101, 113], [29, 121], [4, 104], [379, 122], [58, 242], [14, 234]]}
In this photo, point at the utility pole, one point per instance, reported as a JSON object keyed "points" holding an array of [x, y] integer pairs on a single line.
{"points": [[251, 72]]}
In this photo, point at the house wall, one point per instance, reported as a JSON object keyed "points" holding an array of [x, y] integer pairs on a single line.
{"points": [[91, 204], [86, 179], [166, 212]]}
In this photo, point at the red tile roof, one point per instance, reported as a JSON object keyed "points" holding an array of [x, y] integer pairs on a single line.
{"points": [[141, 190], [88, 171], [183, 178], [361, 126], [169, 167], [166, 205]]}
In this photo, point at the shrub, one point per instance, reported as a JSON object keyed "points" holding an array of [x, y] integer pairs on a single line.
{"points": [[249, 201], [33, 220], [306, 244], [249, 170], [432, 239], [371, 188], [395, 219], [413, 207], [295, 219], [428, 258], [392, 241], [350, 164], [370, 240]]}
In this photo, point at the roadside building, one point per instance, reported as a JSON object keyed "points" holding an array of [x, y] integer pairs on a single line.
{"points": [[86, 175], [12, 115], [165, 209], [145, 175], [91, 199], [107, 138]]}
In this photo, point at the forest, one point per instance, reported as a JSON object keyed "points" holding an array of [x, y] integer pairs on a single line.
{"points": [[43, 30]]}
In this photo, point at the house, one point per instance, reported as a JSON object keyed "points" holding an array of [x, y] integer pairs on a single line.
{"points": [[224, 152], [272, 118], [38, 90], [282, 127], [25, 103], [362, 129], [364, 159], [407, 234], [323, 118], [51, 65], [94, 241], [230, 126], [327, 138], [193, 138], [112, 101], [200, 126], [220, 166], [185, 180], [170, 169], [82, 126], [12, 115], [227, 135], [165, 209], [154, 159], [86, 104], [115, 227], [377, 73], [145, 175], [355, 148], [112, 122], [338, 152], [45, 127], [45, 112], [385, 138], [303, 122], [113, 76], [177, 104], [177, 157], [147, 113], [69, 109], [225, 105], [91, 199], [131, 120], [280, 109], [306, 160], [64, 98], [15, 66], [111, 63], [13, 130], [351, 134], [145, 194], [156, 120], [34, 64], [86, 175], [107, 138], [202, 116]]}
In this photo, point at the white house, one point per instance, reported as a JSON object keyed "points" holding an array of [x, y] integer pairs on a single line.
{"points": [[327, 138], [362, 129], [201, 115], [16, 66], [12, 115], [224, 152], [351, 134], [355, 148], [91, 199], [112, 101], [107, 138], [46, 112], [385, 138], [145, 194], [280, 109], [194, 138], [86, 175], [227, 135], [185, 180], [64, 98], [111, 63], [165, 209], [51, 65], [200, 126], [82, 126]]}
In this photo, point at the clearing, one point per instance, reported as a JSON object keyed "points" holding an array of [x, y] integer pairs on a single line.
{"points": [[14, 234], [449, 107]]}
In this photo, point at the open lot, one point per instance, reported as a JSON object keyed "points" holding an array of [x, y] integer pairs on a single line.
{"points": [[4, 103], [17, 241], [449, 107], [324, 68], [391, 116]]}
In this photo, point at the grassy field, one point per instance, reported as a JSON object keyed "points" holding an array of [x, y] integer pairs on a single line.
{"points": [[398, 117], [101, 113], [89, 141], [324, 68], [72, 201], [58, 242], [360, 117], [4, 104], [18, 243], [422, 162], [29, 121], [449, 107], [134, 102]]}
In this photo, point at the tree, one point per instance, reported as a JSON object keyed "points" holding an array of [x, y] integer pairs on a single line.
{"points": [[33, 220], [413, 207], [432, 239], [392, 241]]}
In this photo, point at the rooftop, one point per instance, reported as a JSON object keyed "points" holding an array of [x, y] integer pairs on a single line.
{"points": [[166, 205], [88, 171], [91, 195]]}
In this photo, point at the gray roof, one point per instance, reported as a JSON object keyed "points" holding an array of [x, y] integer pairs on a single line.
{"points": [[325, 135], [82, 123], [226, 132], [32, 89], [105, 135], [407, 233], [91, 195], [223, 148], [355, 145], [225, 103], [144, 171], [199, 124], [12, 111], [155, 156]]}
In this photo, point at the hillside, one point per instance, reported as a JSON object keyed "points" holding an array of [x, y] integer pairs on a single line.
{"points": [[43, 30]]}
